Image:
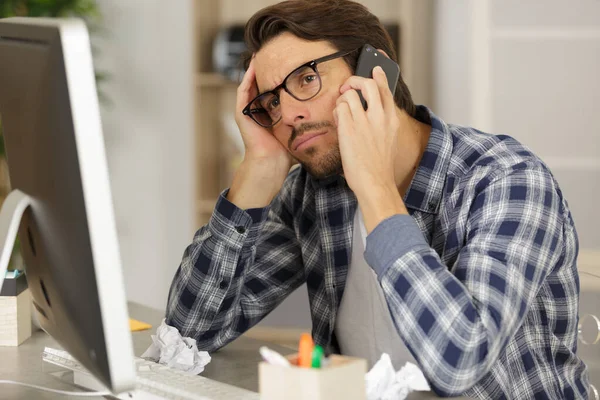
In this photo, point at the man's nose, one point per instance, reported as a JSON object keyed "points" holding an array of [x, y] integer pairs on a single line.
{"points": [[292, 109]]}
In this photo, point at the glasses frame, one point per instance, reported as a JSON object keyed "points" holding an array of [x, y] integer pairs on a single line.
{"points": [[275, 91]]}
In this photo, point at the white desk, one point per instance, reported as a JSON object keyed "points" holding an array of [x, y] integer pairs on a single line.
{"points": [[236, 363]]}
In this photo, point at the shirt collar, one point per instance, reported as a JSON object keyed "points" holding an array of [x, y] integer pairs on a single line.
{"points": [[332, 181], [426, 189]]}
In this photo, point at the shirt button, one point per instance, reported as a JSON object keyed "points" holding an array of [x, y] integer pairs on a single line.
{"points": [[240, 229], [223, 284]]}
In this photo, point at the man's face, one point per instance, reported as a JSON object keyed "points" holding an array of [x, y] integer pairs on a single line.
{"points": [[300, 120]]}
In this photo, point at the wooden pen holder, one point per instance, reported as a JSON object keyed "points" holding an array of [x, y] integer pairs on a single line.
{"points": [[15, 312], [342, 379]]}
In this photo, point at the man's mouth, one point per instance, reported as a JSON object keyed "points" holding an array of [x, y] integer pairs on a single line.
{"points": [[306, 139]]}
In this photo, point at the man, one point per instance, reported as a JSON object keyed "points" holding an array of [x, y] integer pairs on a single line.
{"points": [[470, 247]]}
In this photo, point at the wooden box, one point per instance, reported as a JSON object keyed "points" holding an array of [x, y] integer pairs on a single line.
{"points": [[342, 379], [15, 312]]}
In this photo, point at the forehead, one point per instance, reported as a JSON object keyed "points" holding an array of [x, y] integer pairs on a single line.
{"points": [[282, 54]]}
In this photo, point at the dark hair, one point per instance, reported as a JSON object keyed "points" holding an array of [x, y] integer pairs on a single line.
{"points": [[345, 24]]}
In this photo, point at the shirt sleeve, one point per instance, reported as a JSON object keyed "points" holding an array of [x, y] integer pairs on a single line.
{"points": [[457, 319], [239, 267]]}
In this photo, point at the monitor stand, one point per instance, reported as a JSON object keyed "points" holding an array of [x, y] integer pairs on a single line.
{"points": [[12, 211], [11, 214]]}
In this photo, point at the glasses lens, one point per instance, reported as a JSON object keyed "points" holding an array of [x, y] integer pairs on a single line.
{"points": [[304, 83], [265, 109]]}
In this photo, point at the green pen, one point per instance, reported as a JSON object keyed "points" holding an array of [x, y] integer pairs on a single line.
{"points": [[317, 356]]}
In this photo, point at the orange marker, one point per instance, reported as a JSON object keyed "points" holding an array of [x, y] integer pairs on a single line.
{"points": [[305, 350]]}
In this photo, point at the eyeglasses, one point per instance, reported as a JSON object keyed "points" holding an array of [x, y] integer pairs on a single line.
{"points": [[303, 84]]}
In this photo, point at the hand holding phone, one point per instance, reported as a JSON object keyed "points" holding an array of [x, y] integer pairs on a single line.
{"points": [[368, 141], [368, 59]]}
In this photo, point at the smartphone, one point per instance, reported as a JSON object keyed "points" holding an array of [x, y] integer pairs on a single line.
{"points": [[368, 59]]}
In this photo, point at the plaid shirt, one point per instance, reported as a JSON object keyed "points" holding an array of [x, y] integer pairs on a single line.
{"points": [[481, 278]]}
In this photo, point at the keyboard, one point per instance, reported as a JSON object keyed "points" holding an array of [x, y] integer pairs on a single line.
{"points": [[154, 381]]}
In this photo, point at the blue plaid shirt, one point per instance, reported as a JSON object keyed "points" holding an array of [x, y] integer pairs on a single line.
{"points": [[481, 279]]}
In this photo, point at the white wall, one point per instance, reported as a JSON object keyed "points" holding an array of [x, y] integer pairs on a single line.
{"points": [[451, 68], [529, 69], [147, 49]]}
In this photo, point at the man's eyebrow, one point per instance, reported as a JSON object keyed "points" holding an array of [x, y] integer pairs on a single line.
{"points": [[265, 91], [273, 87]]}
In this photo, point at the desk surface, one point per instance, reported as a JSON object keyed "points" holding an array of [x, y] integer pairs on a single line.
{"points": [[236, 363]]}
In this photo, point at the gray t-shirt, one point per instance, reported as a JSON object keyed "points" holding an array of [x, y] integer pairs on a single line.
{"points": [[364, 326]]}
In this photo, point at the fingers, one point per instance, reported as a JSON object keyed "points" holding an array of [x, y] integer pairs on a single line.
{"points": [[343, 118], [387, 99], [247, 89], [350, 97], [368, 88]]}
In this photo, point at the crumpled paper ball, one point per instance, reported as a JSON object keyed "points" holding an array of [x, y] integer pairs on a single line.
{"points": [[171, 349], [384, 383]]}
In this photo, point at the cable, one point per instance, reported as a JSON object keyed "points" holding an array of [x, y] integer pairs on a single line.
{"points": [[589, 273], [63, 392]]}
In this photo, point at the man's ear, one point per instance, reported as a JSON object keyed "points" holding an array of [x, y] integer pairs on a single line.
{"points": [[384, 53]]}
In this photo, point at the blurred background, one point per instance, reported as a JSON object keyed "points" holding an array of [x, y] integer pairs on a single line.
{"points": [[526, 68]]}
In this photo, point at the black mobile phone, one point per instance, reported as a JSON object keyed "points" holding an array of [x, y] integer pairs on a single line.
{"points": [[368, 59]]}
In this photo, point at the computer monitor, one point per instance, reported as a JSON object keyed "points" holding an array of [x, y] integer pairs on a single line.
{"points": [[51, 125]]}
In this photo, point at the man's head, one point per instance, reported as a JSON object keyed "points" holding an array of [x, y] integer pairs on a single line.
{"points": [[286, 35]]}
